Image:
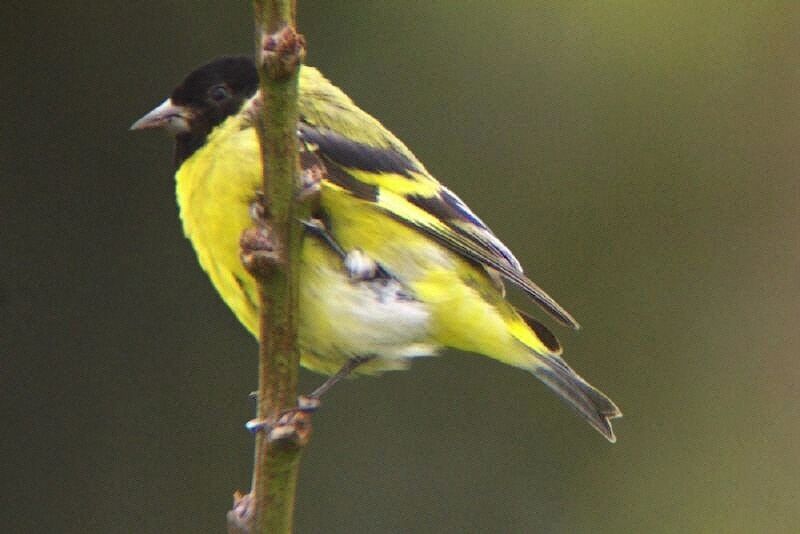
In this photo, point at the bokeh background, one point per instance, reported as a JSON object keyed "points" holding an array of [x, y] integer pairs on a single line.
{"points": [[640, 158]]}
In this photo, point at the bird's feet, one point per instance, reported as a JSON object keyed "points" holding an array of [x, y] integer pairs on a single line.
{"points": [[292, 428], [290, 424], [306, 404]]}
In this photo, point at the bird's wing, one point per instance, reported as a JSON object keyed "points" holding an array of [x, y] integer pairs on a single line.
{"points": [[400, 186]]}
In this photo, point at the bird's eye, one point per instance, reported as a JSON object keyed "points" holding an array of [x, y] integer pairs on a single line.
{"points": [[219, 93]]}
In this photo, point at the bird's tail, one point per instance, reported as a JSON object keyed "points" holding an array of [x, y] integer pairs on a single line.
{"points": [[589, 402]]}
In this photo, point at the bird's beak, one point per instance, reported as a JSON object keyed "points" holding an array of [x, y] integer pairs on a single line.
{"points": [[175, 119]]}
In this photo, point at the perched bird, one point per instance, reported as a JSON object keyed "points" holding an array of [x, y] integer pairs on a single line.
{"points": [[395, 265]]}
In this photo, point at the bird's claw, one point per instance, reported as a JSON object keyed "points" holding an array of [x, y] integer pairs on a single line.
{"points": [[256, 425], [306, 405]]}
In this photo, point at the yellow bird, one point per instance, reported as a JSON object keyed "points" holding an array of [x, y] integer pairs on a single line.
{"points": [[394, 267]]}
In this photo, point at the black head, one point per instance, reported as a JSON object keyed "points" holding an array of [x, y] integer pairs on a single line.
{"points": [[205, 98], [218, 89]]}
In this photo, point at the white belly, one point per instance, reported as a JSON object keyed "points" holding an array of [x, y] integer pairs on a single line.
{"points": [[341, 318]]}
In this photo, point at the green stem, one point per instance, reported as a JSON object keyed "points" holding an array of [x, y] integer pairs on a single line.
{"points": [[279, 51]]}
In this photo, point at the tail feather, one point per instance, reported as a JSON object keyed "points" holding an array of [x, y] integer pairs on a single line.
{"points": [[590, 403]]}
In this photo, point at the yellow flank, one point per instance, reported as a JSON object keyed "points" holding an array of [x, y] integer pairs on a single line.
{"points": [[468, 311]]}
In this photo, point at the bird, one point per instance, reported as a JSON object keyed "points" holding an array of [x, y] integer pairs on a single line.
{"points": [[393, 265]]}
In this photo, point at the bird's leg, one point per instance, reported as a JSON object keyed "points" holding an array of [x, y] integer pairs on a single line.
{"points": [[311, 402], [317, 228], [348, 367], [360, 267]]}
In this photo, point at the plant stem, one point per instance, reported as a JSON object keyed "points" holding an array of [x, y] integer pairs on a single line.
{"points": [[279, 52]]}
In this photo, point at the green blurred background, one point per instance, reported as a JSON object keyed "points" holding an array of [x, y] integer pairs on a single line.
{"points": [[639, 157]]}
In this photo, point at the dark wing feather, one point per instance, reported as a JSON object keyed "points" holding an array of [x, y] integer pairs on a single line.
{"points": [[473, 246], [441, 215]]}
